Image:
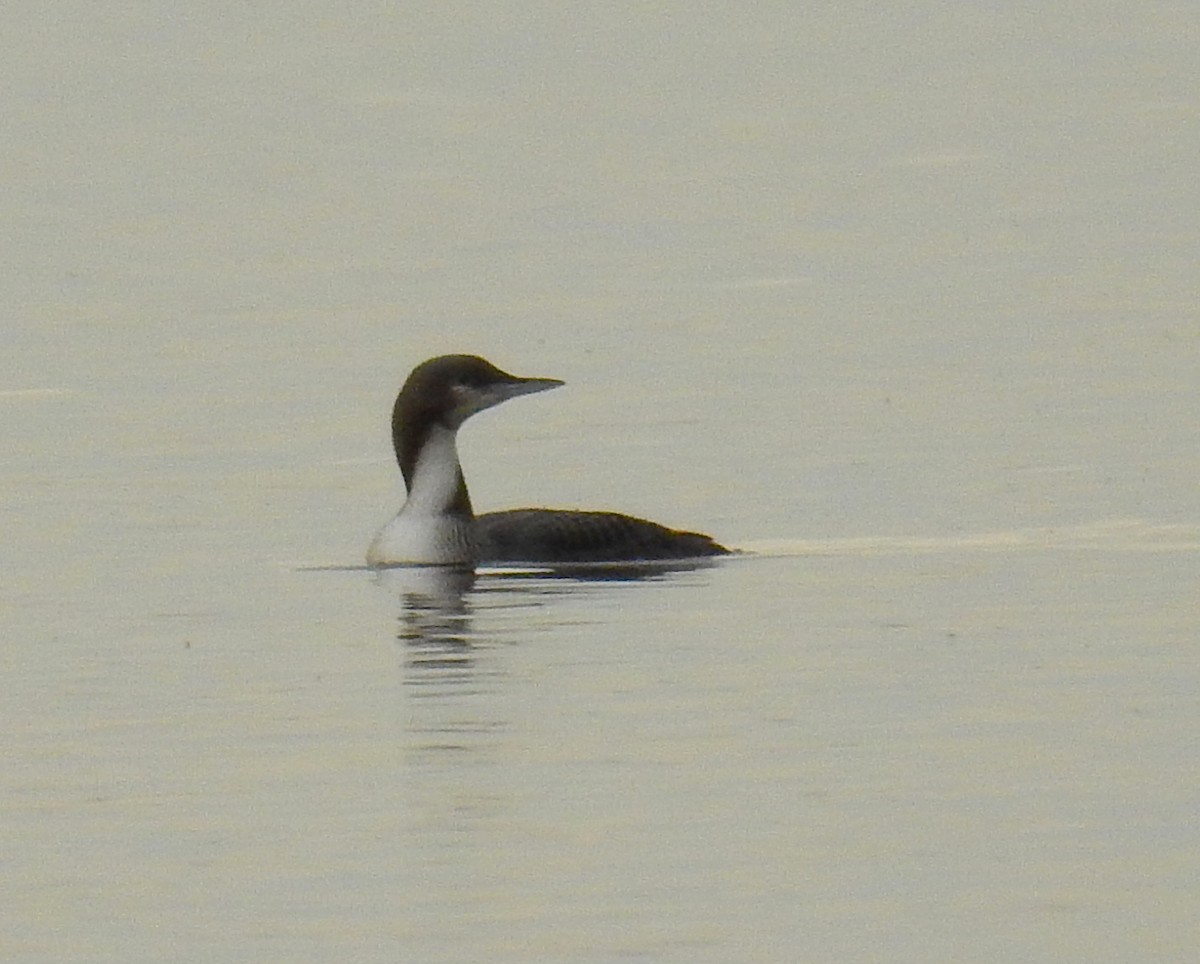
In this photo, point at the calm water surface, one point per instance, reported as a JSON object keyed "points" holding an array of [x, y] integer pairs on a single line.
{"points": [[904, 302]]}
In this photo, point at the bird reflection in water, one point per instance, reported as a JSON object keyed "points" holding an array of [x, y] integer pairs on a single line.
{"points": [[452, 623], [435, 617], [438, 603]]}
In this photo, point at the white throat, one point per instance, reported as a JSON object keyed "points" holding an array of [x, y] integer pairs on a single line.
{"points": [[424, 531], [436, 474]]}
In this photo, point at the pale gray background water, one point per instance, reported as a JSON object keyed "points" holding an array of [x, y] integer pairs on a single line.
{"points": [[904, 296]]}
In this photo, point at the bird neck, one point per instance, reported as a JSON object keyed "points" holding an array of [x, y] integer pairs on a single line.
{"points": [[428, 457]]}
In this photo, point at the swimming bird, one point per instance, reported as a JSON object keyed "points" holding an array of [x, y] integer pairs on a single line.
{"points": [[437, 525]]}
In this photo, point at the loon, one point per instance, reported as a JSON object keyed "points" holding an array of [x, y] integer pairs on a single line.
{"points": [[437, 526]]}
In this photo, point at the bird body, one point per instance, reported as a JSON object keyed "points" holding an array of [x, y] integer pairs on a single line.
{"points": [[437, 525]]}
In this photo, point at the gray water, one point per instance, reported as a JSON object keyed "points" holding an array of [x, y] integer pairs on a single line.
{"points": [[901, 300]]}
